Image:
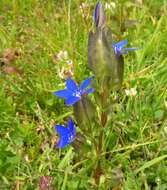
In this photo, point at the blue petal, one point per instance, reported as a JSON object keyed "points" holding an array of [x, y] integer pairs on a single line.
{"points": [[63, 93], [72, 128], [120, 44], [63, 133], [62, 142], [71, 85], [86, 83], [67, 135], [72, 100], [90, 90], [125, 50], [61, 130]]}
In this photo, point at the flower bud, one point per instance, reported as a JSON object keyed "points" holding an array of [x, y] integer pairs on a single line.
{"points": [[99, 16], [107, 66]]}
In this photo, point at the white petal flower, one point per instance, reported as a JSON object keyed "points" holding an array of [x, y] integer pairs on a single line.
{"points": [[131, 92], [62, 55], [110, 6]]}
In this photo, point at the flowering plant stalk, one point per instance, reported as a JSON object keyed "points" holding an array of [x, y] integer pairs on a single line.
{"points": [[92, 100]]}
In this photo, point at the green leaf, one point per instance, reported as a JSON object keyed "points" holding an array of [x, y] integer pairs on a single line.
{"points": [[150, 163], [66, 159]]}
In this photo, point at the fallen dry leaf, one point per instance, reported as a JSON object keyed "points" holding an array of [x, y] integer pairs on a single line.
{"points": [[117, 176], [9, 55], [11, 70]]}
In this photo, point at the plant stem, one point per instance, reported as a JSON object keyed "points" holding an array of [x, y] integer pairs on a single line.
{"points": [[99, 170]]}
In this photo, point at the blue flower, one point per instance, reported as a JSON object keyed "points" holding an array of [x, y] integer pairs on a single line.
{"points": [[73, 93], [119, 47], [66, 134], [99, 16]]}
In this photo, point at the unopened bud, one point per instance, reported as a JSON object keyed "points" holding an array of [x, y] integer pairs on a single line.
{"points": [[99, 16]]}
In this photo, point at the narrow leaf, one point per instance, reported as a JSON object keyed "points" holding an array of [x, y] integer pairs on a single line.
{"points": [[150, 163]]}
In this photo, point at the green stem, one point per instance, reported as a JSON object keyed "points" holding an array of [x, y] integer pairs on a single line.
{"points": [[98, 170]]}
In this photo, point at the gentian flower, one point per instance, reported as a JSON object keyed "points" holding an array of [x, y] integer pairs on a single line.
{"points": [[67, 134], [99, 15], [119, 47], [73, 93]]}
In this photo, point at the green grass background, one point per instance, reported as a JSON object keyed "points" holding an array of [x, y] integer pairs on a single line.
{"points": [[38, 29]]}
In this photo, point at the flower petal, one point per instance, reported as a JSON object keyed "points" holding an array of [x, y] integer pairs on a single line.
{"points": [[67, 135], [63, 142], [86, 83], [61, 130], [120, 44], [90, 90], [63, 93], [71, 85], [72, 100], [63, 133], [72, 128]]}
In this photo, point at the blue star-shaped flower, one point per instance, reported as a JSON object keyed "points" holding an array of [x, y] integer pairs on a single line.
{"points": [[119, 47], [66, 134], [73, 93]]}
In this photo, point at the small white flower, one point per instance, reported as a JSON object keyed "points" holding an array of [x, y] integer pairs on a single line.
{"points": [[26, 158], [62, 55], [70, 62], [131, 92], [110, 6], [61, 73], [84, 6], [84, 9]]}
